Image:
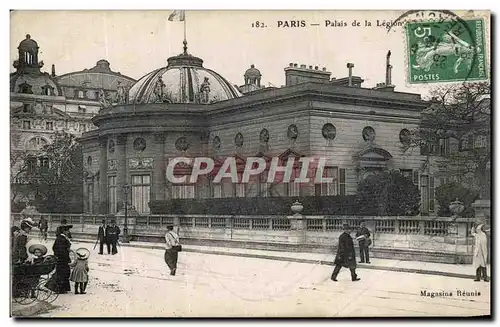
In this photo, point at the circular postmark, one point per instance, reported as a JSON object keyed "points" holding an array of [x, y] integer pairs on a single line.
{"points": [[442, 46]]}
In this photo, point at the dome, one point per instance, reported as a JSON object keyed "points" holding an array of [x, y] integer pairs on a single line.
{"points": [[253, 72], [184, 80], [28, 44]]}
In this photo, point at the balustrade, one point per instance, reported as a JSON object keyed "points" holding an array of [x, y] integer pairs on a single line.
{"points": [[379, 225]]}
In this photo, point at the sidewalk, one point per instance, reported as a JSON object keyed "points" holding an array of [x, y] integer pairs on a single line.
{"points": [[416, 267]]}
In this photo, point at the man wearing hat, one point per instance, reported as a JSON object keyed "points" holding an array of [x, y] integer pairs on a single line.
{"points": [[113, 232], [102, 234], [346, 256]]}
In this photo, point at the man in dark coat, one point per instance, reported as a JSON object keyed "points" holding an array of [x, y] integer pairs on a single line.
{"points": [[64, 224], [113, 232], [61, 249], [363, 236], [102, 237], [346, 256]]}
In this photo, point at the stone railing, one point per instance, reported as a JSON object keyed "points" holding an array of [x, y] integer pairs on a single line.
{"points": [[433, 236]]}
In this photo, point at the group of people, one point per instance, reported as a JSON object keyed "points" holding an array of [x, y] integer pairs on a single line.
{"points": [[108, 235], [346, 255], [66, 270]]}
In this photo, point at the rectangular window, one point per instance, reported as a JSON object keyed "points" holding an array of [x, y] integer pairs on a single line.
{"points": [[83, 128], [217, 190], [415, 177], [470, 142], [431, 194], [26, 124], [444, 147], [227, 188], [424, 191], [26, 108], [263, 185], [49, 125], [90, 197], [480, 142], [112, 194], [44, 164], [31, 165], [141, 191], [185, 191], [342, 183], [330, 188]]}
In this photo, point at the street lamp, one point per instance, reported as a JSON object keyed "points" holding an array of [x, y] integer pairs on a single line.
{"points": [[125, 238]]}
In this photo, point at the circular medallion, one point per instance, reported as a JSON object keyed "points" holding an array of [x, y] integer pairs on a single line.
{"points": [[216, 143], [404, 136], [293, 132], [368, 134], [264, 136], [89, 160], [111, 146], [139, 144], [182, 144], [238, 140], [329, 131]]}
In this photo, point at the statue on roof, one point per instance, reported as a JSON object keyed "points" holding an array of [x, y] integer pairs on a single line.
{"points": [[158, 90], [121, 94], [104, 99], [205, 91]]}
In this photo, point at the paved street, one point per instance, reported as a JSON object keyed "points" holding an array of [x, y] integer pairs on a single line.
{"points": [[136, 283]]}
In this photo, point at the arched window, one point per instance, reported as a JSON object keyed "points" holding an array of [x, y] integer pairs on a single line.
{"points": [[36, 143]]}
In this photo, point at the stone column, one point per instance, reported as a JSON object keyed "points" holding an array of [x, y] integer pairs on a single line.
{"points": [[121, 166], [159, 167], [298, 226], [103, 175]]}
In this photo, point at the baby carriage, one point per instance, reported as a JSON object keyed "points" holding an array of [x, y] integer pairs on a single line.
{"points": [[29, 281]]}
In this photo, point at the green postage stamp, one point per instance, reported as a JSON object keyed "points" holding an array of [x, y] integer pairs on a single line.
{"points": [[446, 51]]}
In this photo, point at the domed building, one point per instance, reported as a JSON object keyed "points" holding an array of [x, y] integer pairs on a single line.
{"points": [[187, 110], [43, 103], [183, 80]]}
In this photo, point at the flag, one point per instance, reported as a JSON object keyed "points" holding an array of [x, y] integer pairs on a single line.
{"points": [[177, 16]]}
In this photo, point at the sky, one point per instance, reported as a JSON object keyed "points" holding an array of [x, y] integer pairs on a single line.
{"points": [[137, 42]]}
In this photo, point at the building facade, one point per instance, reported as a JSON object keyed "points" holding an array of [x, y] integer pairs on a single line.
{"points": [[42, 104], [187, 110]]}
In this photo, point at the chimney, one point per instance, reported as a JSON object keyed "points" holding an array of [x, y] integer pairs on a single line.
{"points": [[388, 69], [350, 66], [297, 75], [53, 70]]}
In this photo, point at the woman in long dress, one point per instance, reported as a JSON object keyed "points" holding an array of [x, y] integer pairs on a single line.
{"points": [[479, 259], [61, 249]]}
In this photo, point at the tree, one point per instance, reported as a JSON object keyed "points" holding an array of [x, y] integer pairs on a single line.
{"points": [[55, 175], [460, 115], [449, 192], [387, 194]]}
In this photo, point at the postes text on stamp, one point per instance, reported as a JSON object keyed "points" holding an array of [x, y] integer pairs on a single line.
{"points": [[446, 51]]}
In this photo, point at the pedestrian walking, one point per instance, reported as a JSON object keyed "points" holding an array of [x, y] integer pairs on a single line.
{"points": [[80, 273], [113, 233], [346, 256], [43, 226], [172, 249], [480, 257], [61, 249], [102, 238], [364, 240]]}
